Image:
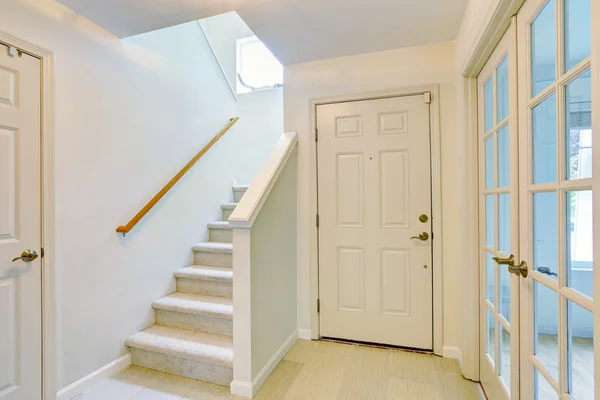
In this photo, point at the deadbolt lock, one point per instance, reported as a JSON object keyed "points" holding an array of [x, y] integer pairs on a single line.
{"points": [[423, 218]]}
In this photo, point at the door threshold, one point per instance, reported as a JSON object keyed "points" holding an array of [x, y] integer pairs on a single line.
{"points": [[375, 345]]}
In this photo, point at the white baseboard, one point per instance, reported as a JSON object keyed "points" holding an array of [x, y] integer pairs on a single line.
{"points": [[248, 390], [88, 382], [241, 388], [452, 352], [304, 334]]}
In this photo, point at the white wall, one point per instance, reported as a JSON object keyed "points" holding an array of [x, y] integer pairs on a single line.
{"points": [[223, 31], [260, 112], [380, 71], [274, 272], [128, 115]]}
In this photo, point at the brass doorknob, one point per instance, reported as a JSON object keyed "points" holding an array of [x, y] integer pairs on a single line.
{"points": [[519, 270], [27, 256], [423, 236]]}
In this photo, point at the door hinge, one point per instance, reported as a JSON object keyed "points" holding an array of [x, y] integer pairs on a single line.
{"points": [[318, 305], [427, 97], [42, 252], [316, 134], [318, 220]]}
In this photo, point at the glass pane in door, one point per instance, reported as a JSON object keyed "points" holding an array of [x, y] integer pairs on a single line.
{"points": [[545, 234], [491, 336], [543, 390], [546, 327], [544, 141], [543, 53], [505, 357], [578, 129], [504, 223], [577, 32], [489, 163], [503, 157], [490, 268], [579, 236], [502, 90], [580, 349], [489, 220], [488, 90]]}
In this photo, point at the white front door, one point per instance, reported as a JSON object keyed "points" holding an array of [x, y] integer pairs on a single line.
{"points": [[375, 281], [20, 227]]}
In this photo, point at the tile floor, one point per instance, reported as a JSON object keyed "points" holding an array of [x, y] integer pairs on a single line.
{"points": [[312, 370]]}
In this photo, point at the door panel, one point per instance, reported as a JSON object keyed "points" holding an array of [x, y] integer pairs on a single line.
{"points": [[499, 314], [375, 282], [20, 224], [555, 199]]}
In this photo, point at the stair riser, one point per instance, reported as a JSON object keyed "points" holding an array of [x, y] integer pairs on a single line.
{"points": [[193, 322], [237, 195], [213, 259], [226, 214], [221, 235], [209, 288], [180, 366]]}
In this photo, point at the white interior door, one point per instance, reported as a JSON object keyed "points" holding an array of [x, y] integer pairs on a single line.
{"points": [[20, 227], [555, 104], [498, 222], [375, 282]]}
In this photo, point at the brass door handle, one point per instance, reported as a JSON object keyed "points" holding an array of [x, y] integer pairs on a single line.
{"points": [[27, 256], [519, 270], [423, 236]]}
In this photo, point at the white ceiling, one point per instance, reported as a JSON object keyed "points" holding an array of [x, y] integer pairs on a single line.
{"points": [[308, 30], [295, 30]]}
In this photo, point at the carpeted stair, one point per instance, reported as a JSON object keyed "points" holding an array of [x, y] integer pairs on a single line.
{"points": [[192, 335]]}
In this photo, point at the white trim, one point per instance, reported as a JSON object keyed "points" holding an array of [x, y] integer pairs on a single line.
{"points": [[249, 207], [241, 388], [48, 285], [248, 390], [212, 49], [264, 373], [452, 352], [436, 198], [86, 383], [304, 334]]}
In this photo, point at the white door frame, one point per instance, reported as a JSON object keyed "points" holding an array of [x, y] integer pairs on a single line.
{"points": [[47, 140], [436, 203], [496, 22]]}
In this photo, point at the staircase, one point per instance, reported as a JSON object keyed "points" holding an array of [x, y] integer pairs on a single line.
{"points": [[192, 334]]}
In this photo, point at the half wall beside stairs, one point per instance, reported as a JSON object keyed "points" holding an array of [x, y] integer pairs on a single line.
{"points": [[265, 269]]}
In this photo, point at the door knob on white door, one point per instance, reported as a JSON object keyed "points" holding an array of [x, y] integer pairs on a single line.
{"points": [[423, 236], [27, 256]]}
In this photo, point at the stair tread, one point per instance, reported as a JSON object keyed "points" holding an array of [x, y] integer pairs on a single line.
{"points": [[191, 345], [228, 206], [240, 188], [219, 225], [196, 304], [205, 273], [213, 247]]}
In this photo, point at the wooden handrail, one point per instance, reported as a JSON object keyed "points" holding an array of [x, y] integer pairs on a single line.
{"points": [[126, 228]]}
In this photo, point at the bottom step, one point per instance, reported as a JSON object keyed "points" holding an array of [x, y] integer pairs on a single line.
{"points": [[195, 355]]}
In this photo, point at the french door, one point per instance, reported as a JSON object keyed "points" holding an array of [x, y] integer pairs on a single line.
{"points": [[535, 139], [555, 106], [498, 186]]}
